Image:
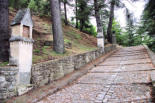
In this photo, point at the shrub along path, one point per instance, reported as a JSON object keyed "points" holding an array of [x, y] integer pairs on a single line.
{"points": [[124, 77]]}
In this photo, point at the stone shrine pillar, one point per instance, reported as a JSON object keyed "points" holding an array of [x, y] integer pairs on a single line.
{"points": [[100, 38], [21, 45], [114, 41]]}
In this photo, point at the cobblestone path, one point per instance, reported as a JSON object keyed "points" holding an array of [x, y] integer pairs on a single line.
{"points": [[122, 78]]}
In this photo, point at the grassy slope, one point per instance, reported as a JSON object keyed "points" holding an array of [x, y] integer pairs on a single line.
{"points": [[81, 42]]}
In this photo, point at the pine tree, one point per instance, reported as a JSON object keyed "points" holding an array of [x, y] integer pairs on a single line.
{"points": [[113, 4], [130, 27], [76, 13], [83, 13], [111, 17], [100, 34], [66, 2], [58, 39]]}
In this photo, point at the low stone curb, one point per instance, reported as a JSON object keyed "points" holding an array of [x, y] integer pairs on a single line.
{"points": [[42, 92], [152, 57]]}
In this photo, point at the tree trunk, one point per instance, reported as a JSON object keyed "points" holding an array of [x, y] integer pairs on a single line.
{"points": [[58, 40], [111, 17], [100, 36], [4, 31], [81, 25], [76, 13], [66, 22], [60, 6]]}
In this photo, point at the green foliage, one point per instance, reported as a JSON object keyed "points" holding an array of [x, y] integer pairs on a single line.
{"points": [[90, 30], [32, 5], [124, 39], [83, 13], [121, 37], [67, 41], [18, 4], [147, 25], [37, 51], [148, 18], [41, 7], [3, 64], [152, 45]]}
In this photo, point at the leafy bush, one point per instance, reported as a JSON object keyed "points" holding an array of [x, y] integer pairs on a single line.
{"points": [[41, 7], [32, 5], [90, 30], [18, 4]]}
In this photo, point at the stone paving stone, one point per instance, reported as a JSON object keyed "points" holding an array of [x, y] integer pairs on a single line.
{"points": [[138, 67], [122, 93], [114, 59], [127, 61], [128, 57], [101, 69], [110, 63], [122, 78], [133, 77], [97, 78], [77, 93], [139, 61]]}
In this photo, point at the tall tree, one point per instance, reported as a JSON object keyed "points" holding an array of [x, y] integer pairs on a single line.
{"points": [[57, 27], [76, 13], [130, 27], [100, 34], [4, 31], [65, 10], [83, 13], [66, 2], [148, 22], [111, 17], [113, 4], [148, 18]]}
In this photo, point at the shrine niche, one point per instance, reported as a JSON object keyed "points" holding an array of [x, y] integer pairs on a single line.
{"points": [[26, 32], [22, 24]]}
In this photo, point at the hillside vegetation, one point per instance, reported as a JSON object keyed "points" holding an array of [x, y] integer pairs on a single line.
{"points": [[75, 41]]}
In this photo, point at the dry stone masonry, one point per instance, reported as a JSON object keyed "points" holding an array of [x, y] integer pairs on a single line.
{"points": [[8, 81], [46, 72]]}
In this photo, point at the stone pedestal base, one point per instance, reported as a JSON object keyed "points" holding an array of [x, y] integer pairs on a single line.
{"points": [[100, 42]]}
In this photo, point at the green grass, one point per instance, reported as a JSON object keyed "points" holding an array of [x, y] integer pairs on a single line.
{"points": [[37, 51], [46, 52], [85, 48], [73, 34], [67, 41], [4, 64]]}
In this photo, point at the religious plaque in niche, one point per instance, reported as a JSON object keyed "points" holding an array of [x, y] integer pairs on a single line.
{"points": [[26, 31]]}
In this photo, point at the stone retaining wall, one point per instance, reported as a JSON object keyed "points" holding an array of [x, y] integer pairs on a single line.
{"points": [[151, 54], [46, 72], [152, 57], [8, 80], [43, 73]]}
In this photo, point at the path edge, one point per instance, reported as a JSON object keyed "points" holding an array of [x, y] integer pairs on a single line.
{"points": [[152, 57]]}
